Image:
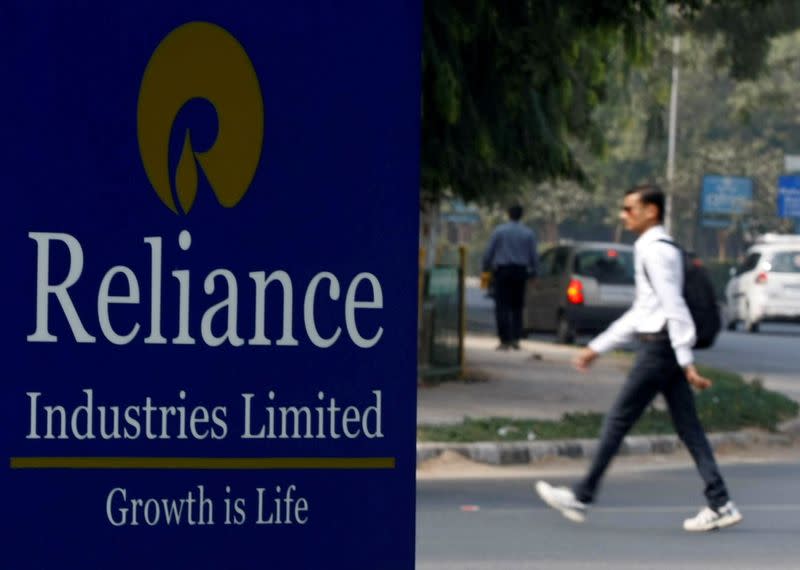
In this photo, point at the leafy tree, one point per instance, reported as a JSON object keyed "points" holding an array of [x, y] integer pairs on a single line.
{"points": [[746, 29], [551, 203], [725, 126], [506, 82], [511, 87]]}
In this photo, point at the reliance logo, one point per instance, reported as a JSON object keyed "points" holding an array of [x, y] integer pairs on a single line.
{"points": [[198, 60], [201, 60], [363, 292]]}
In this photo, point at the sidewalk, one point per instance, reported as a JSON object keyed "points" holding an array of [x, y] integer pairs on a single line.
{"points": [[539, 381], [536, 381]]}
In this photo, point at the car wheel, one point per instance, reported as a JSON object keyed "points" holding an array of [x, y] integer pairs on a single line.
{"points": [[729, 318], [564, 331], [750, 324]]}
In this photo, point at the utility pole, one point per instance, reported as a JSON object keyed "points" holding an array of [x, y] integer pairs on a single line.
{"points": [[673, 123]]}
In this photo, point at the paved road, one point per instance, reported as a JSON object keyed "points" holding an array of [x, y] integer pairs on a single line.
{"points": [[636, 525], [771, 354]]}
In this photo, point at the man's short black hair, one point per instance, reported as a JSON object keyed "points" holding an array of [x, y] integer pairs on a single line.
{"points": [[515, 212], [650, 194]]}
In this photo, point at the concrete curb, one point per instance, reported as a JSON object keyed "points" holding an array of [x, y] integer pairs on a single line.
{"points": [[530, 452]]}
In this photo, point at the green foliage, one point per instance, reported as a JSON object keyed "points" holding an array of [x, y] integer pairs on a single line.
{"points": [[746, 29], [731, 404], [511, 90], [719, 273], [735, 126], [505, 84]]}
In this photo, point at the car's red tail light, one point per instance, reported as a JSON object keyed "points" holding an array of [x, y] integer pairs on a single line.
{"points": [[575, 292], [762, 278]]}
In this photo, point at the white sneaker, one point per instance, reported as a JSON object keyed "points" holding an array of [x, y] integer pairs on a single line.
{"points": [[710, 519], [563, 500]]}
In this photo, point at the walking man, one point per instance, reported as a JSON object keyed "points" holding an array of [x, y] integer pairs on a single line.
{"points": [[511, 257], [660, 320]]}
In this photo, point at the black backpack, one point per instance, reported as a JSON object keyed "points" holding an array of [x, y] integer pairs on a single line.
{"points": [[698, 292]]}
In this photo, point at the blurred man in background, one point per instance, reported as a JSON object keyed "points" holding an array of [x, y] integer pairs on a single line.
{"points": [[511, 257]]}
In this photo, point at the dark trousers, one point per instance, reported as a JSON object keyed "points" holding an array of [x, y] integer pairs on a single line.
{"points": [[654, 371], [509, 298]]}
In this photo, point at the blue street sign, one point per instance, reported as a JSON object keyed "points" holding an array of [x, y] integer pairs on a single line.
{"points": [[718, 223], [209, 332], [727, 195], [460, 213], [789, 196]]}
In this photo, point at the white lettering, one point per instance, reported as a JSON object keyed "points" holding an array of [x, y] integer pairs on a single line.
{"points": [[104, 300], [33, 433], [350, 306], [308, 309], [118, 516], [248, 414], [259, 338], [219, 323], [229, 303], [44, 288], [155, 292], [193, 509]]}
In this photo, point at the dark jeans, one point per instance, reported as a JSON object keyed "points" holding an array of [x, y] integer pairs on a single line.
{"points": [[654, 371], [509, 298]]}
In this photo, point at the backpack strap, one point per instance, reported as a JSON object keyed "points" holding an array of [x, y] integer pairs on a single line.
{"points": [[670, 242], [673, 244]]}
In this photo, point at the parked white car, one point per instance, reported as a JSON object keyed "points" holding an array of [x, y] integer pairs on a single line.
{"points": [[766, 286]]}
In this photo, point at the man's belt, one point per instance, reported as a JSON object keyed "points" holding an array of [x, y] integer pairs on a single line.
{"points": [[659, 336]]}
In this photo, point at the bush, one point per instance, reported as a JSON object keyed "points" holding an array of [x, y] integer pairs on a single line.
{"points": [[719, 273], [731, 404]]}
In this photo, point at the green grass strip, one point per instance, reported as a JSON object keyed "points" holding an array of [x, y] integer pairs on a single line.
{"points": [[731, 404]]}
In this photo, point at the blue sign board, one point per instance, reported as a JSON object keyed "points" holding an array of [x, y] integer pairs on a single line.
{"points": [[789, 196], [209, 331], [717, 223], [459, 213], [728, 195]]}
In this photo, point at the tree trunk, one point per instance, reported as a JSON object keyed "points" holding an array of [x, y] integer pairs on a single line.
{"points": [[429, 231], [722, 244], [551, 232]]}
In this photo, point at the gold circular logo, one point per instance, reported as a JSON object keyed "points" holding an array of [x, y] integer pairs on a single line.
{"points": [[201, 60]]}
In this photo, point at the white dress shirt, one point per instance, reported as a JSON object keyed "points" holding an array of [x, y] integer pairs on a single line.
{"points": [[659, 300]]}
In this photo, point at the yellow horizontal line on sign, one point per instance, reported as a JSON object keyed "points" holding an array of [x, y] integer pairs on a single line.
{"points": [[211, 463]]}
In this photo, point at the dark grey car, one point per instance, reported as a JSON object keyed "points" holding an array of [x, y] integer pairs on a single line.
{"points": [[582, 287]]}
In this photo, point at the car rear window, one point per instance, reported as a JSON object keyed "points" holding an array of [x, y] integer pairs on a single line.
{"points": [[608, 266], [786, 262]]}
